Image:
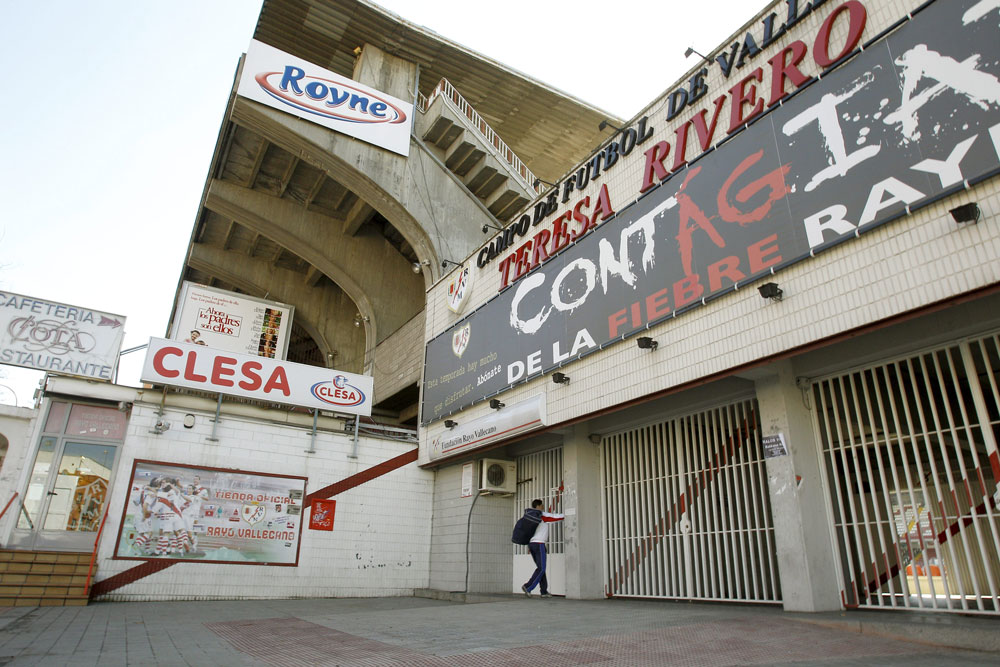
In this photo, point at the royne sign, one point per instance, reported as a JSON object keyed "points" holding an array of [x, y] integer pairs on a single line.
{"points": [[197, 367], [59, 338], [305, 90], [910, 119]]}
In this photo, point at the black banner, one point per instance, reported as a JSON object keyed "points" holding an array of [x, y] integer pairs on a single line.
{"points": [[912, 118]]}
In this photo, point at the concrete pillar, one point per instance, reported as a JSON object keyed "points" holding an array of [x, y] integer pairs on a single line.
{"points": [[386, 72], [802, 528], [582, 506]]}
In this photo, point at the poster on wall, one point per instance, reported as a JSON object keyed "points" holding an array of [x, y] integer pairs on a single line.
{"points": [[211, 515], [231, 322], [909, 120], [321, 514], [59, 338]]}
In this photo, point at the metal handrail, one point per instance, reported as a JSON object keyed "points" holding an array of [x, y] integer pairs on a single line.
{"points": [[445, 88], [5, 507], [31, 524], [93, 554]]}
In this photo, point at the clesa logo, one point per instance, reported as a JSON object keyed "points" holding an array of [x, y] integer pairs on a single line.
{"points": [[326, 98], [338, 392]]}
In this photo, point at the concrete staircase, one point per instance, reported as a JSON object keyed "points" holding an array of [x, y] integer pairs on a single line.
{"points": [[43, 578], [460, 139]]}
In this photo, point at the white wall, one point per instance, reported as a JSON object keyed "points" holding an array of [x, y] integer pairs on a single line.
{"points": [[16, 425], [381, 537], [486, 525]]}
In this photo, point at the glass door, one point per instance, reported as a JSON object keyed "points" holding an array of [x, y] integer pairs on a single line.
{"points": [[69, 483]]}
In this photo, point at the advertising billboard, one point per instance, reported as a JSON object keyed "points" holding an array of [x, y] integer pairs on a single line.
{"points": [[912, 118], [211, 515], [305, 90], [59, 338], [199, 367], [232, 322]]}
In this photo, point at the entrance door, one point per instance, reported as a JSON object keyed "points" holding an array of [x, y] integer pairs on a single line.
{"points": [[64, 503], [70, 478]]}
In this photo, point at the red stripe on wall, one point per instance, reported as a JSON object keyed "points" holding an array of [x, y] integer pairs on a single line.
{"points": [[362, 477], [125, 578]]}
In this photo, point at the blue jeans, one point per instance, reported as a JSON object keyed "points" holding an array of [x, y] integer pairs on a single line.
{"points": [[538, 578]]}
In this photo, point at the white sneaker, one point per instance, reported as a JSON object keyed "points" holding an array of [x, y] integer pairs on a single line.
{"points": [[524, 587]]}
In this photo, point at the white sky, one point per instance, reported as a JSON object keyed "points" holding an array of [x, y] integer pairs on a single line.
{"points": [[114, 106]]}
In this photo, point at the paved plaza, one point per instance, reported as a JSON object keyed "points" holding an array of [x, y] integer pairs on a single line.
{"points": [[494, 631]]}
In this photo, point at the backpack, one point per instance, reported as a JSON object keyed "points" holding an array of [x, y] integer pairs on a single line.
{"points": [[525, 527]]}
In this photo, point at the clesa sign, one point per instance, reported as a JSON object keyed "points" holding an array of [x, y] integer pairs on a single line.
{"points": [[206, 369], [298, 87]]}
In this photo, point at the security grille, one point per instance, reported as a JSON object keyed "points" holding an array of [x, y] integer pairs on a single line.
{"points": [[686, 511], [911, 461], [540, 475]]}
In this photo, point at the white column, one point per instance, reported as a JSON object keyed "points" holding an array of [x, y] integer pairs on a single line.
{"points": [[802, 528], [582, 504]]}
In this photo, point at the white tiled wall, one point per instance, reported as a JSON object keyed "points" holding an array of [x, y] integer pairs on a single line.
{"points": [[490, 553], [917, 260], [381, 538]]}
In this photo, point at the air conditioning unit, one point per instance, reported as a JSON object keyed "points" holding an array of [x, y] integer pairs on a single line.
{"points": [[498, 476]]}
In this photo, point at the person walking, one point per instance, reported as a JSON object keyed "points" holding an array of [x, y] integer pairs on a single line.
{"points": [[537, 547]]}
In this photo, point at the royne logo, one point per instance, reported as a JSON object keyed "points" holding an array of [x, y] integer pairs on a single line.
{"points": [[338, 392], [326, 98]]}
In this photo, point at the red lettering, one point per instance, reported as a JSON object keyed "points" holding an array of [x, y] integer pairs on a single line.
{"points": [[706, 132], [821, 46], [189, 373], [680, 146], [687, 290], [504, 268], [654, 164], [560, 239], [522, 261], [248, 370], [603, 207], [688, 212], [656, 305], [278, 380], [579, 217], [636, 314], [220, 369], [540, 253], [758, 254], [781, 70], [725, 267], [615, 321], [742, 95], [774, 181], [158, 361]]}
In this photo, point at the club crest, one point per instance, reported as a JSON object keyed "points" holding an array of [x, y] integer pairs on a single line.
{"points": [[460, 340], [458, 289], [253, 513]]}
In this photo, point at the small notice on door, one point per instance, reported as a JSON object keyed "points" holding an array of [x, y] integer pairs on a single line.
{"points": [[774, 445]]}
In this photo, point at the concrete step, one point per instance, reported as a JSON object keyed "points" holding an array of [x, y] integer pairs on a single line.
{"points": [[45, 601], [43, 578], [61, 557], [10, 578]]}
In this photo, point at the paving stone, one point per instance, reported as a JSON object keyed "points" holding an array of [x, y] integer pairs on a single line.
{"points": [[415, 632]]}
